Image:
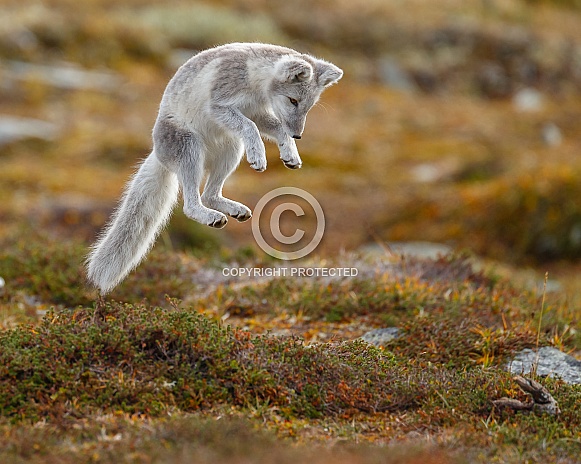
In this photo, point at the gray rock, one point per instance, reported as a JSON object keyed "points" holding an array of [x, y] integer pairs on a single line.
{"points": [[551, 362], [426, 173], [13, 129], [551, 134], [528, 100], [63, 76], [427, 250], [552, 286], [380, 337]]}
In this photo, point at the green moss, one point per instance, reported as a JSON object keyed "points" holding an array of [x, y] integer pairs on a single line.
{"points": [[142, 359], [51, 271], [147, 361]]}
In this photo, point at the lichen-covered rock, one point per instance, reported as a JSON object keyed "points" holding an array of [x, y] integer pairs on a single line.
{"points": [[380, 337], [13, 129], [548, 361]]}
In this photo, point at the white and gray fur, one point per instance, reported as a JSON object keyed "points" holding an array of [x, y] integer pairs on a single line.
{"points": [[217, 105]]}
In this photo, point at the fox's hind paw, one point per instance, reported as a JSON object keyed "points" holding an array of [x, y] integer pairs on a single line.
{"points": [[219, 223], [241, 217], [230, 207]]}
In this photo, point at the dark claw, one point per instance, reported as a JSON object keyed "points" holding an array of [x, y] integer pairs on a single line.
{"points": [[292, 166], [242, 217], [219, 223], [253, 166]]}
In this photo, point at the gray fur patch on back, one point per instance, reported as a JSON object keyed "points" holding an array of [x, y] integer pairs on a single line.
{"points": [[232, 55], [235, 67]]}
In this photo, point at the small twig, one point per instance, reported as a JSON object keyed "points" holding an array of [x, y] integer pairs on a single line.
{"points": [[383, 245], [540, 322], [540, 394], [543, 401], [443, 398], [513, 404], [100, 305]]}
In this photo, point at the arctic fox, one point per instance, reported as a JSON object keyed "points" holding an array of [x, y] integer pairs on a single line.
{"points": [[217, 105]]}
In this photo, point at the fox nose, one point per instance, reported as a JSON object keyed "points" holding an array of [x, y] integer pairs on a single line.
{"points": [[296, 137]]}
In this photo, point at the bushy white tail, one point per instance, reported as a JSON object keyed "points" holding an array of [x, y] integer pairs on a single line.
{"points": [[146, 205]]}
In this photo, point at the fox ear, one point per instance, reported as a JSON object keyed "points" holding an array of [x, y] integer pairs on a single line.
{"points": [[327, 73], [293, 70]]}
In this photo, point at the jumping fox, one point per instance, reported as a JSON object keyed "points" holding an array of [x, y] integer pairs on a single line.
{"points": [[217, 105]]}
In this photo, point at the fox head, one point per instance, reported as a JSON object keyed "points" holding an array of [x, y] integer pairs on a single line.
{"points": [[296, 87]]}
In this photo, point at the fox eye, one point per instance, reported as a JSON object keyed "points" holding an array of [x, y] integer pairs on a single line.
{"points": [[293, 101]]}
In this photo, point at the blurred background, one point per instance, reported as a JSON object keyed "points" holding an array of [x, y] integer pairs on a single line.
{"points": [[457, 121]]}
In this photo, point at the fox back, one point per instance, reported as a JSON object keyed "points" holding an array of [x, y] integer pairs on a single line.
{"points": [[252, 77]]}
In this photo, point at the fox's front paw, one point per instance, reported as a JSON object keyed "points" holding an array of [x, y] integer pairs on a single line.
{"points": [[258, 165], [290, 155], [256, 155], [293, 164]]}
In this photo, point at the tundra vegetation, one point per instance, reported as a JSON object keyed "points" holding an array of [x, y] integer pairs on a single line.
{"points": [[455, 123]]}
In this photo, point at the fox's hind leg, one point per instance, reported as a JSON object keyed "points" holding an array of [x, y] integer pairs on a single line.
{"points": [[190, 176], [183, 152], [219, 167]]}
